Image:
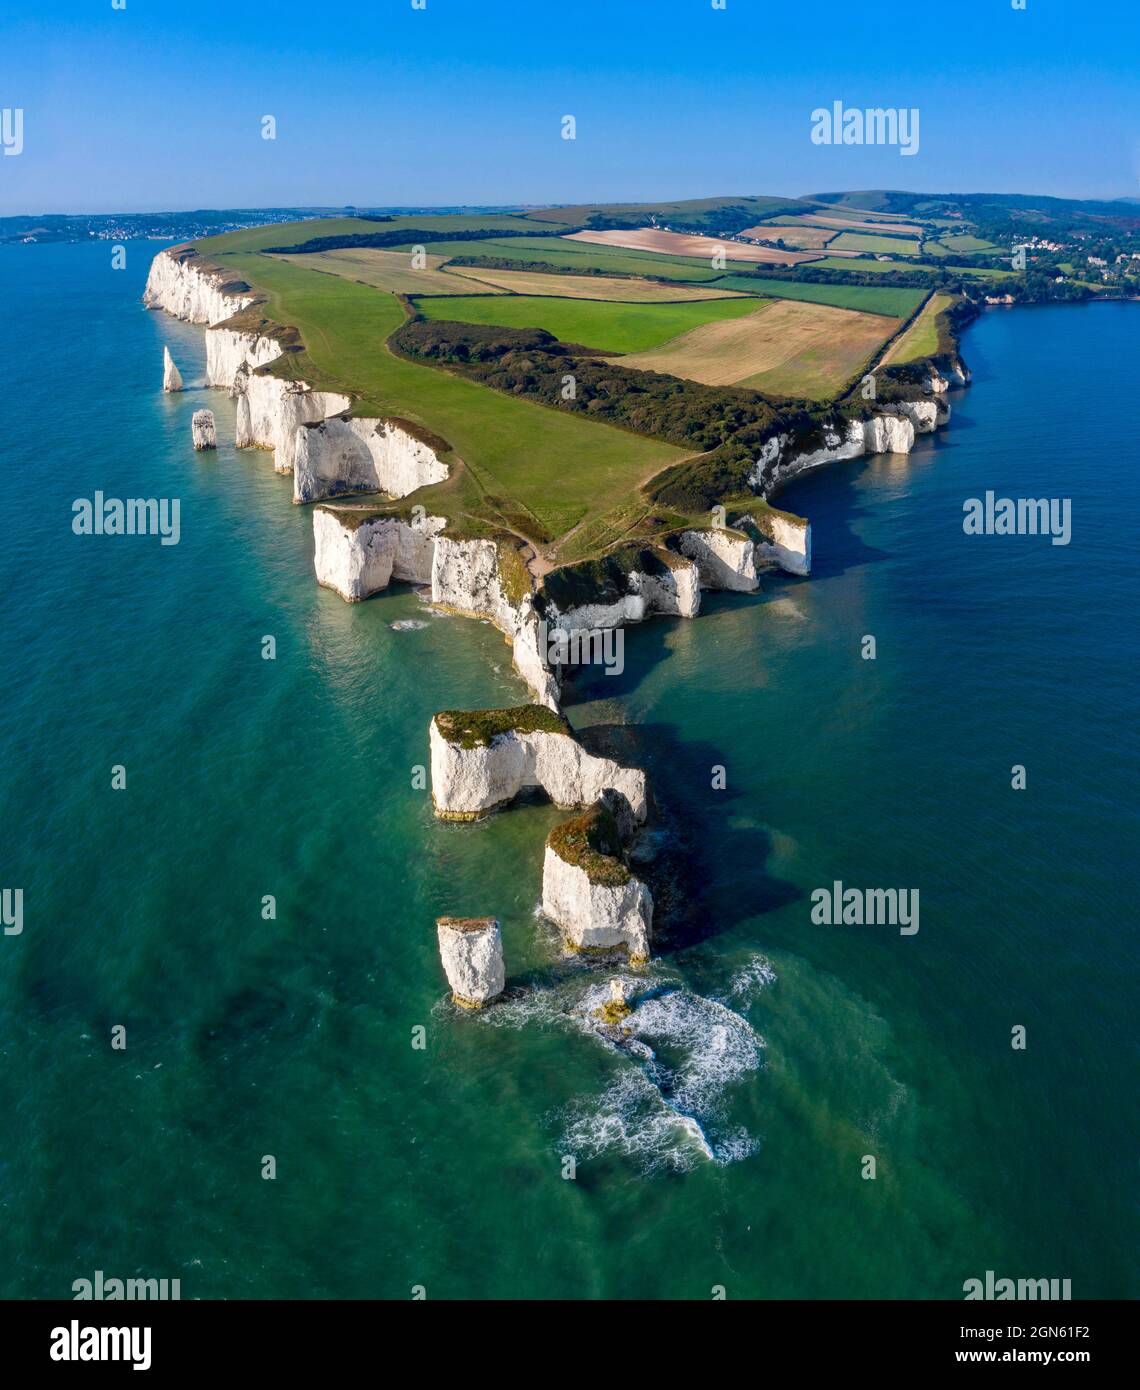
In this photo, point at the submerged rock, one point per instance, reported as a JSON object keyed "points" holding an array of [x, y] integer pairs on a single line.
{"points": [[203, 429], [171, 376], [617, 1007], [471, 949]]}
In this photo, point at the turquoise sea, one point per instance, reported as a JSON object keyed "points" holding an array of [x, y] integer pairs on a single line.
{"points": [[727, 1148]]}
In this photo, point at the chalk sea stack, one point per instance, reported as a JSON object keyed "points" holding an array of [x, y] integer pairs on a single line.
{"points": [[471, 949], [171, 376], [588, 891], [203, 430]]}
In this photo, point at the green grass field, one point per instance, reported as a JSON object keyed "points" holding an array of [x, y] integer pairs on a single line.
{"points": [[604, 325], [967, 244], [885, 245], [896, 302], [921, 338], [521, 459]]}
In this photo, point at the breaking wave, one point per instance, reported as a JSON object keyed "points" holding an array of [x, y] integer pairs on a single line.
{"points": [[679, 1056]]}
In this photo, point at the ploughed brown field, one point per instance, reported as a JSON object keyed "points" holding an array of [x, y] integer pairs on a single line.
{"points": [[786, 348], [805, 238], [618, 288], [682, 244]]}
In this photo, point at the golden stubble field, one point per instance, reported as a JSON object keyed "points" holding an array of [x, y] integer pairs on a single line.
{"points": [[805, 238], [788, 348], [387, 270], [612, 287]]}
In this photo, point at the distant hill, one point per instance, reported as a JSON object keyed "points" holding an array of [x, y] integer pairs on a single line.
{"points": [[1027, 209]]}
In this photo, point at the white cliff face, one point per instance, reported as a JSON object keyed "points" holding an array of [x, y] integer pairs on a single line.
{"points": [[469, 782], [788, 544], [362, 455], [888, 434], [925, 416], [271, 411], [465, 577], [471, 950], [171, 376], [203, 430], [178, 284], [228, 352], [530, 660], [780, 466], [881, 434], [596, 916], [358, 561], [674, 592], [837, 447], [724, 559]]}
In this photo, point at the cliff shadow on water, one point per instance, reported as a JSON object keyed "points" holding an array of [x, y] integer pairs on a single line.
{"points": [[703, 851]]}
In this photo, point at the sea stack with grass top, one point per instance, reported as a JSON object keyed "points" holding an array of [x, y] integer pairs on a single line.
{"points": [[588, 891]]}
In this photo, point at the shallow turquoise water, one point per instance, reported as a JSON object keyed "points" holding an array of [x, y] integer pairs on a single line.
{"points": [[785, 1051]]}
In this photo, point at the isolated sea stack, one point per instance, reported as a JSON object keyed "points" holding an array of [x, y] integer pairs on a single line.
{"points": [[471, 949], [171, 376], [203, 430]]}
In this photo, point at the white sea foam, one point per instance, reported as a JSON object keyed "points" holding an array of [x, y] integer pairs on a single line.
{"points": [[407, 625], [667, 1109], [678, 1056], [750, 980]]}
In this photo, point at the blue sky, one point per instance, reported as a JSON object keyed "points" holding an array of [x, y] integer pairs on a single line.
{"points": [[158, 105]]}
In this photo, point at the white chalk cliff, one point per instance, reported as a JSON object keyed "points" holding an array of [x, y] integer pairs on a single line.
{"points": [[890, 431], [274, 412], [724, 559], [171, 376], [673, 590], [466, 783], [926, 416], [271, 411], [361, 455], [596, 916], [181, 284], [358, 558], [471, 950], [229, 352]]}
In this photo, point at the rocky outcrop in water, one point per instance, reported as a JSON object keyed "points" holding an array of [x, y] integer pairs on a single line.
{"points": [[482, 759], [471, 950], [203, 430], [589, 892], [171, 376]]}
